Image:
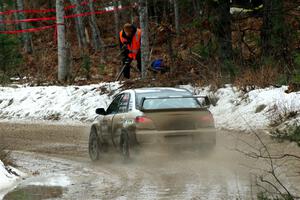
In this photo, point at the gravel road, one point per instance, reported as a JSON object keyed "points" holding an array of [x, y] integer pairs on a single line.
{"points": [[56, 160]]}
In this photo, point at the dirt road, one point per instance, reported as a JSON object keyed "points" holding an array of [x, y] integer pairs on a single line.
{"points": [[56, 160]]}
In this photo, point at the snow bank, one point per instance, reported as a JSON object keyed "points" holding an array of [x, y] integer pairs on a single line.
{"points": [[8, 178], [54, 102], [256, 109], [234, 110]]}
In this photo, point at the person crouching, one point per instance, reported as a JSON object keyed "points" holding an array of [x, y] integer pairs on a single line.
{"points": [[130, 45]]}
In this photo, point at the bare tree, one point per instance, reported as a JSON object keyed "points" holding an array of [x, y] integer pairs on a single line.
{"points": [[145, 49], [176, 11], [97, 40], [26, 37], [224, 29], [272, 179], [131, 12], [155, 11], [2, 26], [63, 68], [274, 33], [196, 7], [79, 26], [50, 3], [117, 19], [266, 29], [17, 25]]}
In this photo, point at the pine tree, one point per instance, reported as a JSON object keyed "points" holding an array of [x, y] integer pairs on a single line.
{"points": [[79, 25], [2, 26], [176, 11], [10, 57], [97, 40], [26, 37], [274, 30]]}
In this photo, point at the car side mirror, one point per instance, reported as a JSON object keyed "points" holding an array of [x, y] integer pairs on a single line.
{"points": [[100, 111]]}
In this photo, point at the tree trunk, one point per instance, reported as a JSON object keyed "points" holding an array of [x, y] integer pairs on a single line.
{"points": [[266, 31], [63, 68], [117, 19], [26, 37], [155, 11], [145, 50], [176, 11], [196, 7], [79, 26], [131, 14], [50, 4], [171, 52], [274, 33], [97, 41], [2, 26], [224, 37], [165, 11], [223, 31]]}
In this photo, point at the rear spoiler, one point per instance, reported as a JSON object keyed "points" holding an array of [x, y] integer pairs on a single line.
{"points": [[206, 99]]}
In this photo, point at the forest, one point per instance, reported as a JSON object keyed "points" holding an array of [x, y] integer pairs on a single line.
{"points": [[150, 99], [246, 43]]}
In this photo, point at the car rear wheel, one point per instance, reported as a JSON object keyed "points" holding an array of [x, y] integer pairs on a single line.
{"points": [[124, 145], [94, 145]]}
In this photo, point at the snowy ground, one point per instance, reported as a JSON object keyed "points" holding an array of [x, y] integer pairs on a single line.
{"points": [[234, 110], [8, 178], [54, 103], [257, 109]]}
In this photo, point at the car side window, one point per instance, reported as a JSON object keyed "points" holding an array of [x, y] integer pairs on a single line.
{"points": [[123, 105], [114, 106]]}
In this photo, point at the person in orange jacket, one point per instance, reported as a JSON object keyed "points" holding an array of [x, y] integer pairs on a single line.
{"points": [[130, 45]]}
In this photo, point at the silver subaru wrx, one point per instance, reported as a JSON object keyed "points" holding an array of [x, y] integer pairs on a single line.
{"points": [[137, 117]]}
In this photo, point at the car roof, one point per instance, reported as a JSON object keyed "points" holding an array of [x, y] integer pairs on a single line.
{"points": [[160, 89]]}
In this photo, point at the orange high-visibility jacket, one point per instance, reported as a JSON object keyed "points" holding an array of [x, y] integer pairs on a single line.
{"points": [[135, 45]]}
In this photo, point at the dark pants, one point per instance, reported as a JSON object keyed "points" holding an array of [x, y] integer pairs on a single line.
{"points": [[127, 61]]}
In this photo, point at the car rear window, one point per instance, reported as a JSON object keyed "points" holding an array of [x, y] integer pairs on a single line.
{"points": [[165, 101], [170, 103]]}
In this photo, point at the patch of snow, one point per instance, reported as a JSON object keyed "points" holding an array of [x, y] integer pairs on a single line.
{"points": [[256, 109], [8, 178], [237, 10], [56, 104], [60, 180]]}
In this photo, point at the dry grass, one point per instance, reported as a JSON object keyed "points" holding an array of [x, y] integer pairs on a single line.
{"points": [[249, 79], [280, 114]]}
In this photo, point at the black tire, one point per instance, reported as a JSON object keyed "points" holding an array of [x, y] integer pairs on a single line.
{"points": [[94, 145], [124, 145]]}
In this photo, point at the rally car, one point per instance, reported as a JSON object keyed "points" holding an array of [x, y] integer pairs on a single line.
{"points": [[158, 115]]}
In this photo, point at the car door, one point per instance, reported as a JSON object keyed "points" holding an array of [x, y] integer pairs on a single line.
{"points": [[120, 116], [106, 124]]}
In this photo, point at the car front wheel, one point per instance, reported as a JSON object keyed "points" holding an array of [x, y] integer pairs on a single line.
{"points": [[94, 145]]}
